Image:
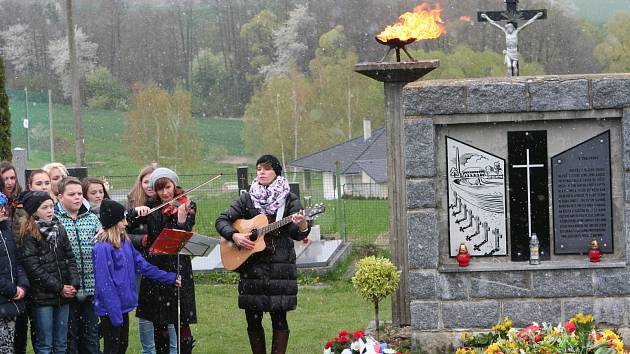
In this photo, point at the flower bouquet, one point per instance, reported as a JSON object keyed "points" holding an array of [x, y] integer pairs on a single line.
{"points": [[356, 343], [578, 335]]}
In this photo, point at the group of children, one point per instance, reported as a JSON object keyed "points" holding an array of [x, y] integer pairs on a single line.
{"points": [[70, 264]]}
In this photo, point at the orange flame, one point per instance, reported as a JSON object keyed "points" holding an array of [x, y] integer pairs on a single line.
{"points": [[464, 18], [422, 23]]}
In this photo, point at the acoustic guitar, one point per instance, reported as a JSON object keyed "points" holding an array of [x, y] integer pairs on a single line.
{"points": [[233, 256]]}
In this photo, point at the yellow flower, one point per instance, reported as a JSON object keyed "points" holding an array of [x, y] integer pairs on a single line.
{"points": [[581, 318], [493, 348], [610, 335], [465, 350], [463, 336]]}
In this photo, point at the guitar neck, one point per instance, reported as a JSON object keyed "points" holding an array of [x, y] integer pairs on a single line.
{"points": [[275, 225]]}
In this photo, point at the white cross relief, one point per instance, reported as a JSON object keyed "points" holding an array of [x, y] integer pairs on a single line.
{"points": [[528, 166]]}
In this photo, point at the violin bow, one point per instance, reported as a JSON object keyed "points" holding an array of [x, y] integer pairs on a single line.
{"points": [[185, 193]]}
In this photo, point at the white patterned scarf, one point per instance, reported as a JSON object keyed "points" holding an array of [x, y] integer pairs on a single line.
{"points": [[269, 199]]}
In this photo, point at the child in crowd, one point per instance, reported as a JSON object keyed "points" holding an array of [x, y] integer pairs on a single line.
{"points": [[116, 262], [47, 257], [81, 226], [13, 282], [95, 192]]}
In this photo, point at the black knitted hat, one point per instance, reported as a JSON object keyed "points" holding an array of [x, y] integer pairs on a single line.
{"points": [[270, 159], [111, 213], [31, 200]]}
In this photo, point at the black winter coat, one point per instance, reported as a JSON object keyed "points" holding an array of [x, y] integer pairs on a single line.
{"points": [[11, 274], [49, 269], [157, 302], [268, 279]]}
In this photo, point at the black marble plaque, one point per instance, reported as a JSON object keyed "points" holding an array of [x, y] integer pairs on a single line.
{"points": [[527, 159], [582, 199]]}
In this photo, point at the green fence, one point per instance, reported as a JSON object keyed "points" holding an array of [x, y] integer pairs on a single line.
{"points": [[366, 216]]}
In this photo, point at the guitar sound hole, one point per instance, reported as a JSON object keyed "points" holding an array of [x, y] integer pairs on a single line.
{"points": [[254, 235]]}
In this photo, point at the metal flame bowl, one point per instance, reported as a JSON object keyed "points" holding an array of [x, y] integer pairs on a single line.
{"points": [[396, 42]]}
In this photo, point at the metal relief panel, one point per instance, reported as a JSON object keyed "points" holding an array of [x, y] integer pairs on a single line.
{"points": [[582, 197], [476, 200]]}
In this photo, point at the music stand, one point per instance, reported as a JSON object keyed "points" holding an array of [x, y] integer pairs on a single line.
{"points": [[176, 242]]}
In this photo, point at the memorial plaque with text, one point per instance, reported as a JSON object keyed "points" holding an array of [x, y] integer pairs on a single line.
{"points": [[582, 199]]}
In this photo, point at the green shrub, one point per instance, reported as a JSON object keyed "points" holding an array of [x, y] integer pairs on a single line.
{"points": [[375, 279]]}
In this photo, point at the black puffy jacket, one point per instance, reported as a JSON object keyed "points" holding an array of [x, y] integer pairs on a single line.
{"points": [[48, 269], [268, 279], [11, 274]]}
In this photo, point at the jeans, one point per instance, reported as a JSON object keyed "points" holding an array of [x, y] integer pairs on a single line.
{"points": [[145, 331], [83, 328], [51, 326], [172, 339], [115, 339]]}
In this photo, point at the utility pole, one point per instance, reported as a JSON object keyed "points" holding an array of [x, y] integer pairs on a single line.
{"points": [[50, 127], [28, 138]]}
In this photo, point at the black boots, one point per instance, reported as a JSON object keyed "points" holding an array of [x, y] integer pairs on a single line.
{"points": [[161, 342], [187, 345], [279, 342], [257, 342]]}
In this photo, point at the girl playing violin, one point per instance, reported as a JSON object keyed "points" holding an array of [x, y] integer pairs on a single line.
{"points": [[158, 302]]}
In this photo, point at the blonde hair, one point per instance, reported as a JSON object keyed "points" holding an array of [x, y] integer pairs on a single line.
{"points": [[50, 166], [137, 197], [29, 227], [115, 235]]}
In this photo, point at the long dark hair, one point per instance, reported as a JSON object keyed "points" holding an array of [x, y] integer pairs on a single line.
{"points": [[7, 166]]}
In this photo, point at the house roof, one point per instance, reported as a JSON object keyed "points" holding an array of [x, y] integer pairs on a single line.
{"points": [[354, 155]]}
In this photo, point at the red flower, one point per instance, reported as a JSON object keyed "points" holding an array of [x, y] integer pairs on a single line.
{"points": [[538, 338], [343, 333], [570, 327], [328, 345], [344, 340], [358, 334]]}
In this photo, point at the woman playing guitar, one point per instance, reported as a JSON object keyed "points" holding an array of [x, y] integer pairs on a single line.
{"points": [[268, 279]]}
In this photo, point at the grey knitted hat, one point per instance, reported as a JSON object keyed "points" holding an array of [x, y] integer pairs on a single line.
{"points": [[163, 172]]}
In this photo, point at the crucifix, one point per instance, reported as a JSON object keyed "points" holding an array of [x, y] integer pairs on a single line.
{"points": [[529, 166], [511, 15]]}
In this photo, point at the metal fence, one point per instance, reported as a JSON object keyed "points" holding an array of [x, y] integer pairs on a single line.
{"points": [[362, 212]]}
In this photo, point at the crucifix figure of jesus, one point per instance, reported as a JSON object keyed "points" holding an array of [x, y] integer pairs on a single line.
{"points": [[511, 29]]}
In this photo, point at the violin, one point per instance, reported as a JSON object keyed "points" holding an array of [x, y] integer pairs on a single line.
{"points": [[171, 208]]}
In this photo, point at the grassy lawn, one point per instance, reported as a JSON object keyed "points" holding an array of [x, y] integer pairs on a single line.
{"points": [[106, 152], [321, 312]]}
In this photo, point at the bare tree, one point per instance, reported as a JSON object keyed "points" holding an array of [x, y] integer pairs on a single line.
{"points": [[76, 93]]}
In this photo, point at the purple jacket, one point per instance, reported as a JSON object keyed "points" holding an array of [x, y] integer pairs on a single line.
{"points": [[115, 277]]}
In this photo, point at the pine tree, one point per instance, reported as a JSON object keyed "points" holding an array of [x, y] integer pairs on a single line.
{"points": [[5, 119]]}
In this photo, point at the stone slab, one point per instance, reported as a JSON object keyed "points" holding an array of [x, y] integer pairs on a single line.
{"points": [[612, 282], [523, 313], [554, 95], [610, 311], [574, 306], [422, 285], [562, 283], [419, 148], [420, 194], [500, 285], [423, 240], [432, 100], [425, 315], [499, 98], [453, 286], [471, 314], [610, 93]]}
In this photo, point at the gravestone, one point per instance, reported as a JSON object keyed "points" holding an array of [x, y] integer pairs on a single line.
{"points": [[582, 197]]}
